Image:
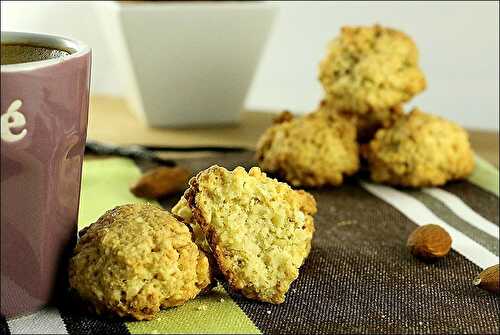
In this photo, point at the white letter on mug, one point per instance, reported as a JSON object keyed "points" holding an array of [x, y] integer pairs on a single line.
{"points": [[13, 119]]}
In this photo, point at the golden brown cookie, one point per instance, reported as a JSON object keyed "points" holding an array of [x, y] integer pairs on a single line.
{"points": [[182, 211], [419, 150], [259, 229], [368, 124], [315, 150], [370, 69], [161, 181], [135, 260]]}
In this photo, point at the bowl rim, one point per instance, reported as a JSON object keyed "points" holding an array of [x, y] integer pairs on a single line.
{"points": [[131, 6]]}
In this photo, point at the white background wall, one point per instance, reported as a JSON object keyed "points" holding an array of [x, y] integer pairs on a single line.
{"points": [[458, 42]]}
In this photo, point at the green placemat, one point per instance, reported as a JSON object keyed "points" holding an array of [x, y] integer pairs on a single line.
{"points": [[485, 176]]}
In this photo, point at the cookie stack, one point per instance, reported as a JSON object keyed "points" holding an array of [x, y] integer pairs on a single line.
{"points": [[367, 76], [240, 227]]}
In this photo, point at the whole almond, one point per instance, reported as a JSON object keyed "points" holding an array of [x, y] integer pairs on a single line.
{"points": [[429, 242], [488, 279]]}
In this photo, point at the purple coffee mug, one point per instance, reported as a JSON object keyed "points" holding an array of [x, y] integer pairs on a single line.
{"points": [[44, 106]]}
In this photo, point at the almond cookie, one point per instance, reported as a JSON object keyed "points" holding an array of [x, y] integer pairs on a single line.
{"points": [[419, 150], [368, 124], [370, 69], [160, 182], [259, 229], [135, 260], [315, 150], [182, 211]]}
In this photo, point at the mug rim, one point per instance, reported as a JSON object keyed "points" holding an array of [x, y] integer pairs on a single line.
{"points": [[47, 40]]}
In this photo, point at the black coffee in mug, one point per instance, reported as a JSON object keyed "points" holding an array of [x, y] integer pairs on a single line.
{"points": [[25, 53]]}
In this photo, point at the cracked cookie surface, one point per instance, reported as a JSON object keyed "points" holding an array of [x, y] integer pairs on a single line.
{"points": [[419, 150], [136, 259], [259, 230], [314, 150], [370, 69]]}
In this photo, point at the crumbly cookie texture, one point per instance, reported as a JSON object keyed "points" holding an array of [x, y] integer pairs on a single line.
{"points": [[419, 150], [315, 150], [183, 212], [370, 68], [368, 124], [259, 229], [135, 260]]}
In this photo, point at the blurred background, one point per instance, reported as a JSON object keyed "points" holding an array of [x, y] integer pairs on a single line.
{"points": [[458, 43]]}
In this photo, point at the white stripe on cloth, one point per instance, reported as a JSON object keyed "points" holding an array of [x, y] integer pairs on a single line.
{"points": [[460, 208], [421, 215], [46, 321]]}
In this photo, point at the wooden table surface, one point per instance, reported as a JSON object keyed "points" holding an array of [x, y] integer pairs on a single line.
{"points": [[112, 121]]}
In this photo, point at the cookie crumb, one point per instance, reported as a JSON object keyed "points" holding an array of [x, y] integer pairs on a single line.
{"points": [[346, 223], [284, 116], [202, 307]]}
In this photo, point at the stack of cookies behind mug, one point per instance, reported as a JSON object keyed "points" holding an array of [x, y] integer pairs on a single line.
{"points": [[367, 76]]}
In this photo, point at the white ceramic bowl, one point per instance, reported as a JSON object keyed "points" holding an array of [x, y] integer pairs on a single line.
{"points": [[187, 63]]}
